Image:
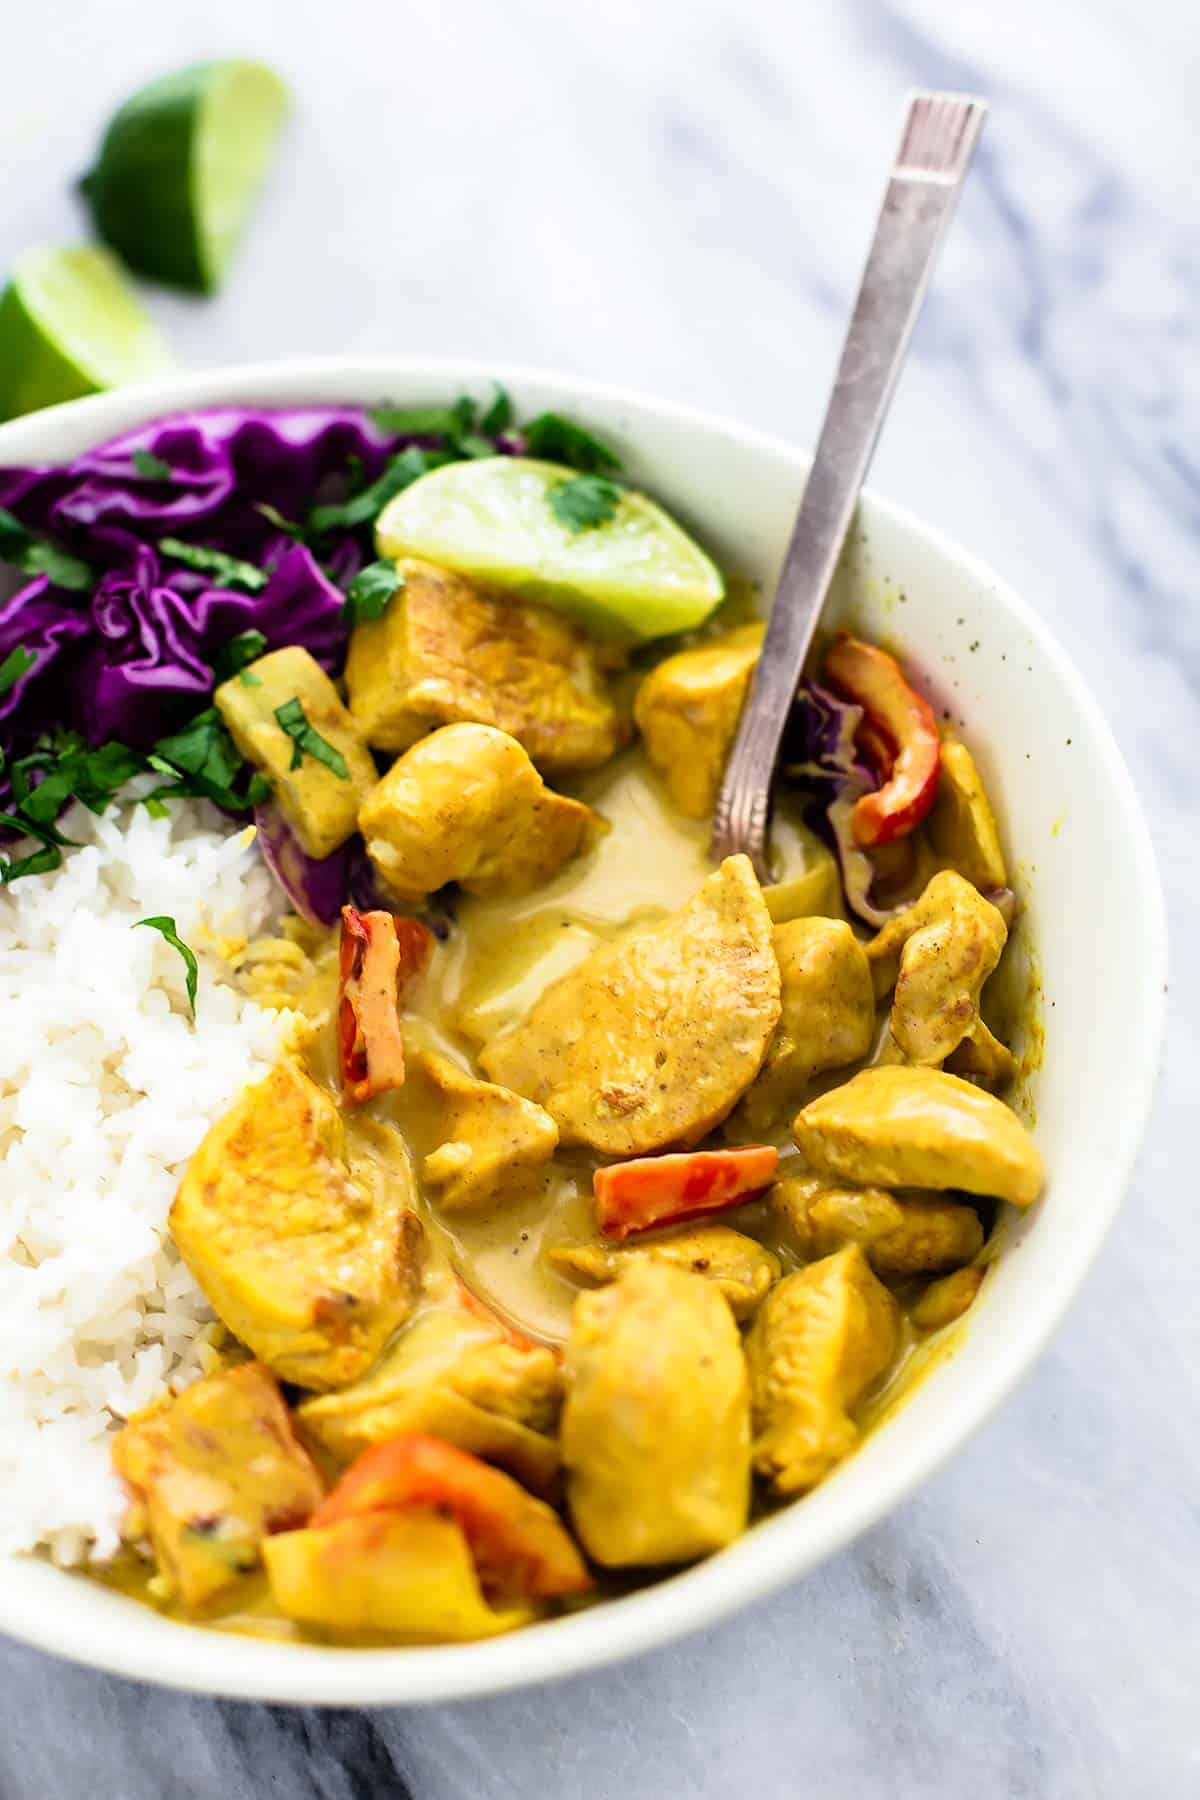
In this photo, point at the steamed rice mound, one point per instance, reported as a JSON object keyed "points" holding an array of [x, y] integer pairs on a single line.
{"points": [[106, 1089]]}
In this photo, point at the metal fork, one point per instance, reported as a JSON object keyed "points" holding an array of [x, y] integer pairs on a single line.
{"points": [[940, 134]]}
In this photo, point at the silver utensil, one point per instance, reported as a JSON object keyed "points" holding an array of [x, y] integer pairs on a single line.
{"points": [[940, 134]]}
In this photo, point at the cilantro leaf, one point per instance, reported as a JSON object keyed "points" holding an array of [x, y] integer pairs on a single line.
{"points": [[499, 414], [151, 466], [204, 760], [163, 923], [236, 652], [274, 517], [45, 834], [368, 594], [584, 502], [561, 440], [40, 863], [426, 421], [71, 771], [364, 507], [36, 557], [18, 662], [307, 740], [230, 571]]}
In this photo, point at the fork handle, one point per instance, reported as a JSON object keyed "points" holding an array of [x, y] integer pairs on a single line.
{"points": [[935, 150]]}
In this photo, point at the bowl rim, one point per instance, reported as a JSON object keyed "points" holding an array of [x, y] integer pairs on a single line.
{"points": [[775, 1552]]}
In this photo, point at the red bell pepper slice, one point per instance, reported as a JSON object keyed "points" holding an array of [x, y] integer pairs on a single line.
{"points": [[519, 1544], [379, 956], [901, 719], [660, 1190]]}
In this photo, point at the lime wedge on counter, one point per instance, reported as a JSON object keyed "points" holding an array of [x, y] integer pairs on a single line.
{"points": [[637, 574], [180, 166], [69, 325]]}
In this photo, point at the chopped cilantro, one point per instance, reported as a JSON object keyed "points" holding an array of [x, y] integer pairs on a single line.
{"points": [[364, 507], [274, 517], [230, 571], [204, 760], [499, 414], [307, 740], [71, 771], [560, 440], [584, 502], [35, 557], [166, 925], [236, 652], [426, 421], [40, 863], [18, 662], [151, 466], [368, 594]]}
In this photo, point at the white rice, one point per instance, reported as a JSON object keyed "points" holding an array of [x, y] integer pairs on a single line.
{"points": [[106, 1089]]}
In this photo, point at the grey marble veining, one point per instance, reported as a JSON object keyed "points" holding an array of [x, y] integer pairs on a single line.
{"points": [[676, 194]]}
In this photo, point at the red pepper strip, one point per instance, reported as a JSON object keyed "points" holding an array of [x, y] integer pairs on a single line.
{"points": [[661, 1190], [519, 1544], [873, 680], [379, 956]]}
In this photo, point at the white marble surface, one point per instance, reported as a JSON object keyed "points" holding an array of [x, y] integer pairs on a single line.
{"points": [[676, 194]]}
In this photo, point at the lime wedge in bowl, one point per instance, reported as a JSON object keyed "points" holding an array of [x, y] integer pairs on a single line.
{"points": [[69, 325], [180, 166], [635, 573]]}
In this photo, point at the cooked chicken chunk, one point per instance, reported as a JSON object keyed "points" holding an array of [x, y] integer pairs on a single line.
{"points": [[828, 1017], [908, 1236], [948, 1299], [211, 1473], [907, 1127], [446, 651], [734, 1263], [817, 1343], [687, 712], [466, 804], [311, 1261], [981, 1054], [655, 1430], [652, 1040], [962, 826], [320, 802], [946, 895], [454, 1374], [489, 1142]]}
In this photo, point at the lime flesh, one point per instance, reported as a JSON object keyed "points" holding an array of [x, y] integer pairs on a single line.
{"points": [[637, 575], [180, 167], [69, 325]]}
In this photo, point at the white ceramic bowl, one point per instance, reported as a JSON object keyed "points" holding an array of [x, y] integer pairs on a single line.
{"points": [[1088, 879]]}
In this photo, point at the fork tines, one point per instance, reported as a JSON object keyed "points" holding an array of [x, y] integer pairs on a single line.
{"points": [[939, 135]]}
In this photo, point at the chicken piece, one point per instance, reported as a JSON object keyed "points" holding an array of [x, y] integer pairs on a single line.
{"points": [[943, 967], [818, 1342], [454, 1375], [446, 651], [828, 1017], [311, 1261], [899, 1127], [656, 1426], [946, 1300], [910, 1236], [466, 804], [652, 1040], [408, 1573], [687, 712], [734, 1263], [320, 784], [962, 825], [212, 1472], [944, 896], [489, 1142]]}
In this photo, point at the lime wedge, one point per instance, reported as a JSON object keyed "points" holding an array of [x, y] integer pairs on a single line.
{"points": [[69, 325], [180, 166], [637, 574]]}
